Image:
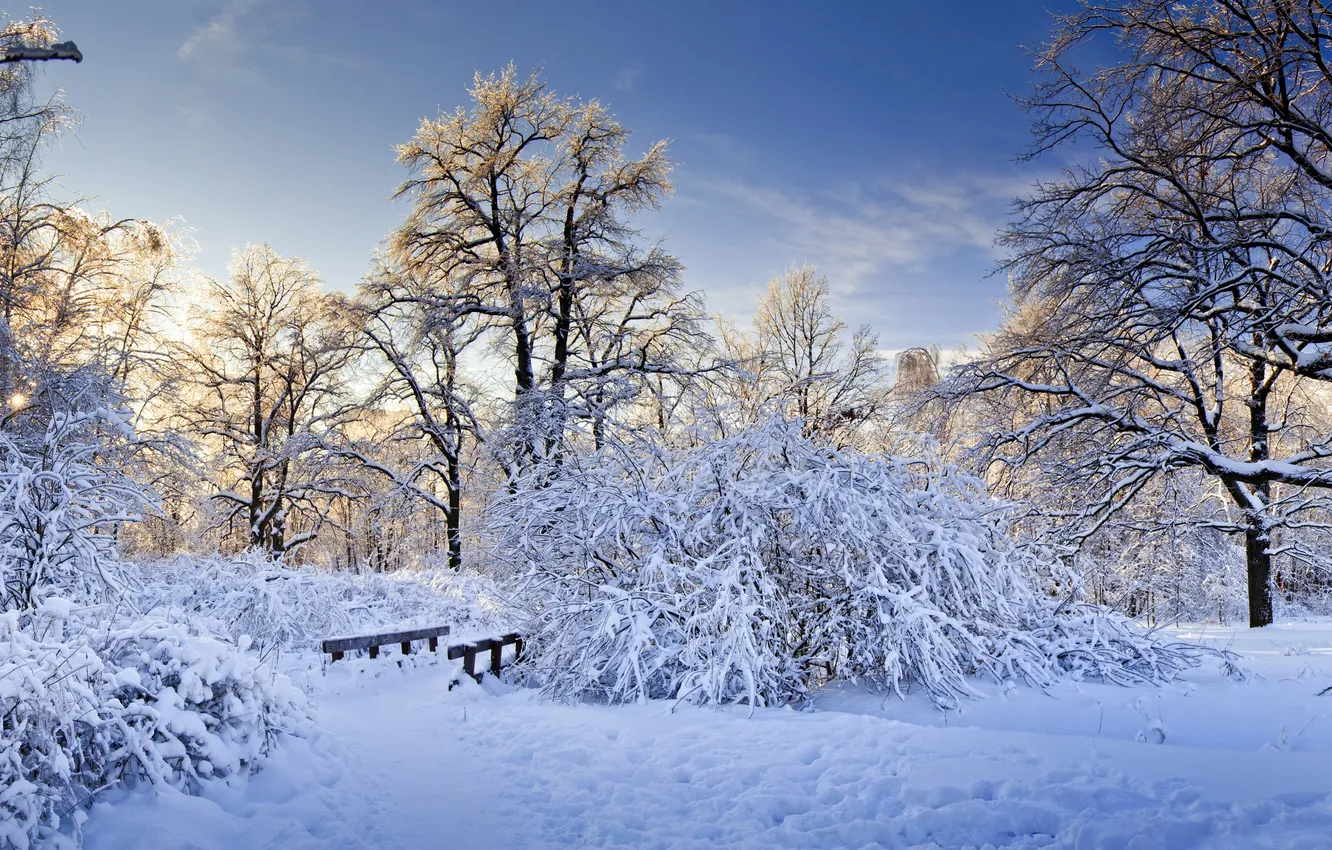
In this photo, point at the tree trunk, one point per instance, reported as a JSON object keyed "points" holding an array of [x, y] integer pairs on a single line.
{"points": [[1257, 533], [526, 412], [1259, 563], [277, 529], [453, 517], [257, 529], [564, 317]]}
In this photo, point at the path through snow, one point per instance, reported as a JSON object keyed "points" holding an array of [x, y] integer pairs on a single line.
{"points": [[407, 764]]}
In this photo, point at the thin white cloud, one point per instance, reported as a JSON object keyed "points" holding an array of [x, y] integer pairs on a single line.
{"points": [[859, 231], [232, 43], [628, 77], [909, 255], [225, 42], [192, 116]]}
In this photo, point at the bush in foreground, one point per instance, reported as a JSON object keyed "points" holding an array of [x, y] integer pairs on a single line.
{"points": [[85, 709]]}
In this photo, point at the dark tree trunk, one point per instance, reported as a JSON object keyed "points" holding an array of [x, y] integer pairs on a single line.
{"points": [[277, 530], [563, 326], [1257, 534], [1259, 562], [523, 374], [258, 530], [256, 507], [525, 398], [453, 516], [564, 302]]}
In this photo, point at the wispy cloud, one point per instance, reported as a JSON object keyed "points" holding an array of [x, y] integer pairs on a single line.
{"points": [[233, 43], [858, 232], [908, 253], [225, 42], [628, 77], [192, 116]]}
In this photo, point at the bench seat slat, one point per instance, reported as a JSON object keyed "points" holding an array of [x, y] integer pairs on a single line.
{"points": [[346, 644]]}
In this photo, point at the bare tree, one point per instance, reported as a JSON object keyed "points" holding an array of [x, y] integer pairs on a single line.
{"points": [[1178, 315], [78, 291], [631, 337], [917, 369], [518, 226], [802, 355], [267, 363], [419, 335]]}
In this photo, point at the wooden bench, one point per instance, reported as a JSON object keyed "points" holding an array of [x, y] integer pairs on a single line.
{"points": [[338, 646], [467, 652]]}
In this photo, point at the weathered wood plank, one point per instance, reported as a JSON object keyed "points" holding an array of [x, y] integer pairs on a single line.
{"points": [[347, 644], [495, 646]]}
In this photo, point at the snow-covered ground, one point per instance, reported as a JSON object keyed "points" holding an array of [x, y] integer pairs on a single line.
{"points": [[406, 763]]}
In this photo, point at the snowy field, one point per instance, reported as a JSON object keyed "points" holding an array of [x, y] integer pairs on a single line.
{"points": [[406, 763]]}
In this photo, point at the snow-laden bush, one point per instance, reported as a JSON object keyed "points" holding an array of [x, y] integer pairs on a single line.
{"points": [[282, 607], [196, 707], [83, 709], [48, 693], [757, 566], [60, 503], [93, 693]]}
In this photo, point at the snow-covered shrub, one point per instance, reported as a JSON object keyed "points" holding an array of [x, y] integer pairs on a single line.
{"points": [[49, 713], [82, 709], [281, 607], [756, 566], [60, 502], [193, 706]]}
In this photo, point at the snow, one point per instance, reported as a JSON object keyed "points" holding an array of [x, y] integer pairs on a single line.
{"points": [[405, 762]]}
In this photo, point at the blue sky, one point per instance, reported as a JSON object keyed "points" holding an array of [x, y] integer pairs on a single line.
{"points": [[871, 139]]}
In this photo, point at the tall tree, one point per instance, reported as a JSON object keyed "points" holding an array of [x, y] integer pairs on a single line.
{"points": [[267, 363], [519, 226], [802, 355], [418, 337], [77, 290], [1174, 296]]}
